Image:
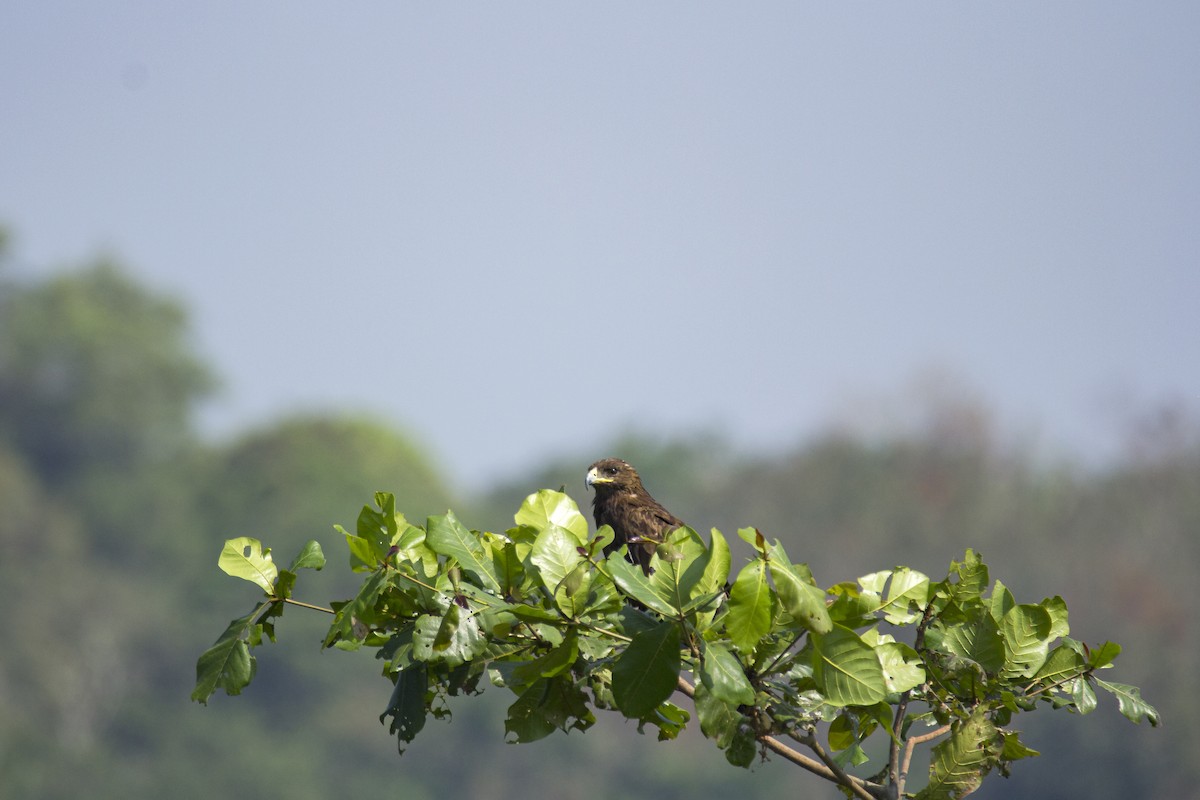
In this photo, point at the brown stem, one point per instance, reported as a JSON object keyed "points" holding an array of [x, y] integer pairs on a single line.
{"points": [[909, 745], [308, 605]]}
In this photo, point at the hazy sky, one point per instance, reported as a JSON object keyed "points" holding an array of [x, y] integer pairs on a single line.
{"points": [[516, 228]]}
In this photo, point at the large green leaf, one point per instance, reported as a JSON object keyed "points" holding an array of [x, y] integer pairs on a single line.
{"points": [[805, 602], [1027, 631], [453, 639], [716, 565], [449, 537], [247, 559], [563, 571], [227, 664], [1130, 702], [647, 673], [719, 719], [978, 639], [633, 582], [678, 566], [546, 507], [960, 762], [907, 594], [722, 674], [846, 670], [406, 706], [548, 704], [901, 664], [749, 617]]}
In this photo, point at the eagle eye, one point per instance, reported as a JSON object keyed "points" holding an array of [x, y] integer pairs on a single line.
{"points": [[610, 471]]}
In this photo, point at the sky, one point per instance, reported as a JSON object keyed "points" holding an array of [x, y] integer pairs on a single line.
{"points": [[515, 230]]}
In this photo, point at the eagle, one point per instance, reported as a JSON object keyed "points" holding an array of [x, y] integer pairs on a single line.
{"points": [[621, 501]]}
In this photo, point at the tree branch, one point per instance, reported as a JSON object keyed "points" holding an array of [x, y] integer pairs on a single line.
{"points": [[829, 770], [909, 745]]}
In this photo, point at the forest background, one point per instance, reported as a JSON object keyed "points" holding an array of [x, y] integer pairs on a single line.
{"points": [[115, 509]]}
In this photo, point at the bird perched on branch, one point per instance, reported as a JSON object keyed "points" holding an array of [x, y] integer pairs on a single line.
{"points": [[637, 519]]}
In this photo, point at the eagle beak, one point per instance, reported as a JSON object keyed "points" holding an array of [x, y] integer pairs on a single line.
{"points": [[593, 477]]}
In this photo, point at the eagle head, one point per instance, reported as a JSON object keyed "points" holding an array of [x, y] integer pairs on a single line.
{"points": [[612, 474]]}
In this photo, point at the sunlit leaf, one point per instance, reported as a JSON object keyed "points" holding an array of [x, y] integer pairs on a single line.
{"points": [[846, 669], [749, 617], [545, 508], [449, 537], [1130, 702], [247, 559], [1026, 632], [633, 582]]}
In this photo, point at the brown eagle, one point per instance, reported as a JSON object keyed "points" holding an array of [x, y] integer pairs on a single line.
{"points": [[621, 501]]}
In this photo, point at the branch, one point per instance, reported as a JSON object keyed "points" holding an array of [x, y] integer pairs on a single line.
{"points": [[897, 773], [309, 605], [909, 745], [830, 771]]}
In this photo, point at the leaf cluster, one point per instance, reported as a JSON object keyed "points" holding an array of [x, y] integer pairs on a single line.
{"points": [[769, 658]]}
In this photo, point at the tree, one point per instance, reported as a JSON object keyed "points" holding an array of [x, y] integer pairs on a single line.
{"points": [[95, 370], [886, 663]]}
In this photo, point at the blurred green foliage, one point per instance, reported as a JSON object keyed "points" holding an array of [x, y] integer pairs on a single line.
{"points": [[114, 513]]}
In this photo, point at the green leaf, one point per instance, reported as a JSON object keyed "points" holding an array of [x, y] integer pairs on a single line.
{"points": [[545, 508], [960, 763], [716, 567], [362, 605], [452, 639], [670, 720], [449, 537], [557, 661], [563, 571], [901, 664], [719, 720], [547, 705], [805, 602], [227, 664], [673, 576], [309, 557], [1056, 607], [1015, 749], [1130, 702], [846, 670], [908, 589], [978, 639], [1082, 694], [972, 575], [246, 558], [633, 582], [723, 675], [1063, 663], [750, 612], [406, 706], [1104, 655], [1002, 601], [1026, 631], [647, 673]]}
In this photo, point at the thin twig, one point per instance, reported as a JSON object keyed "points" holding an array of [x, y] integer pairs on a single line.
{"points": [[909, 745], [308, 605], [852, 783]]}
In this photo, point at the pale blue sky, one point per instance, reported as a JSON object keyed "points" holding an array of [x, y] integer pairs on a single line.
{"points": [[516, 228]]}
